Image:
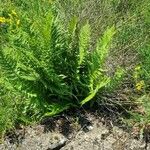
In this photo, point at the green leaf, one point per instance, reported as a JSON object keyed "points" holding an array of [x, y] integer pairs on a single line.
{"points": [[73, 25], [100, 84], [84, 39]]}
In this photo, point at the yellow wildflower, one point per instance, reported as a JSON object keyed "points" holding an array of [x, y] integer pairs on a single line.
{"points": [[18, 22], [140, 85], [4, 20]]}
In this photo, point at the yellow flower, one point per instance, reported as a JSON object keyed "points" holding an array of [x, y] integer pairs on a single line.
{"points": [[4, 20], [140, 85], [18, 22]]}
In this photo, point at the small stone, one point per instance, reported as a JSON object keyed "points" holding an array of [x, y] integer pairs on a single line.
{"points": [[59, 144], [90, 128]]}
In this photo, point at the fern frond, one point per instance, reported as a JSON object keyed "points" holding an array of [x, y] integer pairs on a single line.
{"points": [[8, 62], [72, 26], [84, 39], [99, 55], [97, 78], [100, 84], [104, 44]]}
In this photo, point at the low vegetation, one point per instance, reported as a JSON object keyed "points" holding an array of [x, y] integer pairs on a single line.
{"points": [[60, 54]]}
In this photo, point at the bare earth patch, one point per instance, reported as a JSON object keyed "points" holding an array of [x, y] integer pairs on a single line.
{"points": [[83, 131]]}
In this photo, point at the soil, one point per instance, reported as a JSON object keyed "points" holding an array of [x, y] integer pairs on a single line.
{"points": [[78, 130]]}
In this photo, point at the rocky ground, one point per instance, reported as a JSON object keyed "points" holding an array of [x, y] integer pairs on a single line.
{"points": [[80, 130]]}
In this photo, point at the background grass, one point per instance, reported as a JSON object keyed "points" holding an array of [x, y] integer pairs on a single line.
{"points": [[36, 37]]}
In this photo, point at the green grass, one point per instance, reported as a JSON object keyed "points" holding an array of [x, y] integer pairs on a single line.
{"points": [[60, 54]]}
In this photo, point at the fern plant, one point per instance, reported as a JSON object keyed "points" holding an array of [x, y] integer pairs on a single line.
{"points": [[50, 66]]}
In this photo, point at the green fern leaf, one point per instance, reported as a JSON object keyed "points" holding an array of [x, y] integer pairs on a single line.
{"points": [[100, 84], [84, 43], [104, 43]]}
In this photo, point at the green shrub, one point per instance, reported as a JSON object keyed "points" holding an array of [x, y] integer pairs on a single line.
{"points": [[47, 67]]}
